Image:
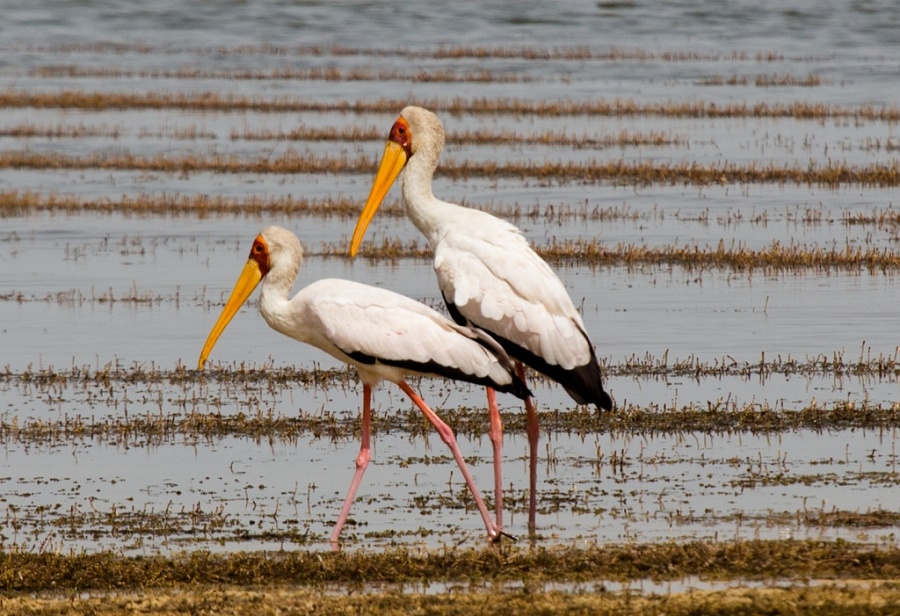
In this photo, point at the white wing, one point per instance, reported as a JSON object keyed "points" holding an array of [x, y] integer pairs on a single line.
{"points": [[500, 284], [348, 317]]}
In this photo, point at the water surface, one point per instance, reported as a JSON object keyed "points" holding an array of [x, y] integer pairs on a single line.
{"points": [[124, 290]]}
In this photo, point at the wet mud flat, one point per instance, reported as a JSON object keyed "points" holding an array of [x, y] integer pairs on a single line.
{"points": [[725, 219], [797, 550], [753, 577], [153, 461]]}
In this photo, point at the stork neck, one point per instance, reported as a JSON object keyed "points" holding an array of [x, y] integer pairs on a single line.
{"points": [[428, 213], [274, 302]]}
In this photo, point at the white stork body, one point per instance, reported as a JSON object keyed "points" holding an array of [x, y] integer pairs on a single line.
{"points": [[494, 280], [382, 334], [488, 275]]}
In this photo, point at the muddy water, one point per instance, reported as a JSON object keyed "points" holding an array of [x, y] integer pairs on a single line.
{"points": [[89, 292]]}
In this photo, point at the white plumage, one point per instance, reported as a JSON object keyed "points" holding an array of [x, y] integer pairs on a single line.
{"points": [[382, 334], [488, 274], [343, 317], [488, 281]]}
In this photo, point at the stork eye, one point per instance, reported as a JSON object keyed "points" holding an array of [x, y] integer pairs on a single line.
{"points": [[400, 134]]}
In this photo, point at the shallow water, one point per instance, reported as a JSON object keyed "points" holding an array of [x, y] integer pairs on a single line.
{"points": [[126, 289]]}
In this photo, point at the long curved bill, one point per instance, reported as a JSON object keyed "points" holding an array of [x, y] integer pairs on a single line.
{"points": [[243, 288], [391, 165]]}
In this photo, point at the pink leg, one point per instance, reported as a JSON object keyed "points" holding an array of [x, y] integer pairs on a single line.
{"points": [[496, 435], [447, 436], [362, 461], [533, 431]]}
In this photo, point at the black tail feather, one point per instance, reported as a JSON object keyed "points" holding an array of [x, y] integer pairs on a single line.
{"points": [[584, 383]]}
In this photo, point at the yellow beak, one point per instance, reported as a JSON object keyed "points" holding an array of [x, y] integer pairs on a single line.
{"points": [[243, 288], [392, 164]]}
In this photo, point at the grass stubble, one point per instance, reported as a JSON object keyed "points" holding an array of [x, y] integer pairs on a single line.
{"points": [[203, 400], [735, 576], [831, 578], [757, 576], [621, 171], [733, 256], [23, 203], [211, 101], [449, 52]]}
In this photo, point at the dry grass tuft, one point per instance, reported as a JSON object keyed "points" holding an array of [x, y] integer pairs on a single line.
{"points": [[19, 204], [833, 174], [29, 572], [211, 101], [775, 258], [878, 598]]}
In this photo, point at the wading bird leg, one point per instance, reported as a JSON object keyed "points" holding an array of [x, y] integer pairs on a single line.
{"points": [[496, 436], [362, 461], [533, 431], [494, 533]]}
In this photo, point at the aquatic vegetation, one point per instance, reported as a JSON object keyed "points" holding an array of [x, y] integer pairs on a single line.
{"points": [[724, 165], [758, 560], [618, 171], [98, 101]]}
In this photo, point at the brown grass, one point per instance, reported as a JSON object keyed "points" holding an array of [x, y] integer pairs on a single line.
{"points": [[763, 81], [286, 73], [202, 400], [774, 258], [716, 417], [59, 131], [876, 598], [211, 101], [833, 365], [16, 203], [19, 204], [578, 53], [368, 74], [21, 572], [832, 174], [480, 137]]}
